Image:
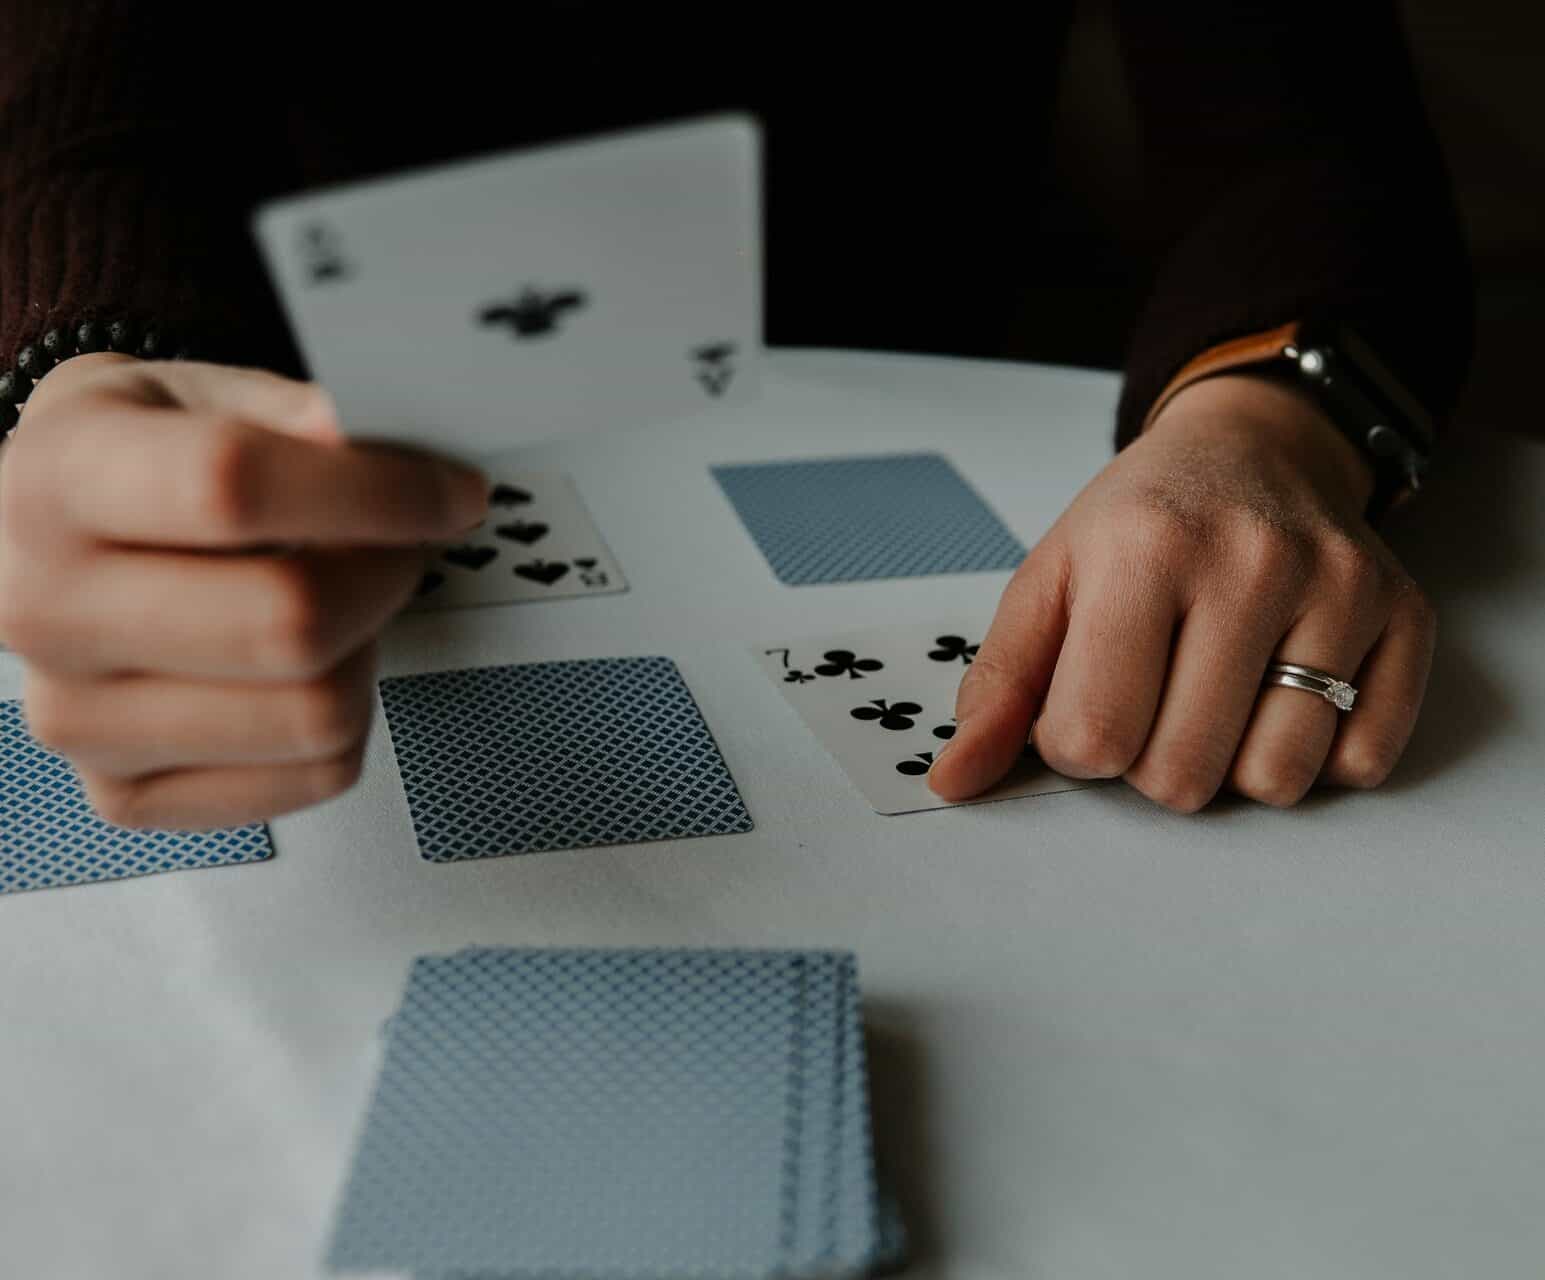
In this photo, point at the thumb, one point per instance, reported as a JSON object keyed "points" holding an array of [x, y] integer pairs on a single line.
{"points": [[1002, 691], [302, 409]]}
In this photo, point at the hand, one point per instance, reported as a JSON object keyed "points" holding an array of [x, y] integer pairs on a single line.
{"points": [[1135, 635], [194, 564]]}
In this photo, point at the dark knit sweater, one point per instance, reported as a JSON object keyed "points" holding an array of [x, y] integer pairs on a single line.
{"points": [[1288, 165]]}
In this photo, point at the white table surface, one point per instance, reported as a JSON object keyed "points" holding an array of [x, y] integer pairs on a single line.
{"points": [[1107, 1041]]}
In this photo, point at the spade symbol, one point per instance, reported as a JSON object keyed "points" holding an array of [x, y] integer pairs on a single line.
{"points": [[526, 531], [543, 571], [470, 557], [507, 495], [533, 313]]}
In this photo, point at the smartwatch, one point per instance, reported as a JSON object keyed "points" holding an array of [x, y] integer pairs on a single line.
{"points": [[1354, 388]]}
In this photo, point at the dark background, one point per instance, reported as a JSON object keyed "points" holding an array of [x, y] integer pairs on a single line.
{"points": [[1483, 78]]}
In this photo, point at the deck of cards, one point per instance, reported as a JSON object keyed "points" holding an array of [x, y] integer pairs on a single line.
{"points": [[639, 1113]]}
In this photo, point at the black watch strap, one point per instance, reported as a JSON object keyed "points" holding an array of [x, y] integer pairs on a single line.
{"points": [[1357, 391]]}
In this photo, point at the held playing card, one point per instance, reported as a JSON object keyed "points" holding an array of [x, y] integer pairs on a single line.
{"points": [[538, 543], [882, 702], [49, 836], [603, 284]]}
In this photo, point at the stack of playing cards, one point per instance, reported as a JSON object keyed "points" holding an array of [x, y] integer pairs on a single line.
{"points": [[632, 1113]]}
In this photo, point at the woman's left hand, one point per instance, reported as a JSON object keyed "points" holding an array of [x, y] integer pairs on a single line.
{"points": [[1135, 635]]}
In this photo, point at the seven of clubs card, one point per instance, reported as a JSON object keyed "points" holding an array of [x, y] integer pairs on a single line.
{"points": [[882, 701], [468, 308], [538, 543]]}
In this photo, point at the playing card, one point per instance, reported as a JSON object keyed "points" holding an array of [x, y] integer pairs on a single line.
{"points": [[556, 755], [49, 835], [882, 701], [466, 308], [899, 515], [538, 543], [576, 1112]]}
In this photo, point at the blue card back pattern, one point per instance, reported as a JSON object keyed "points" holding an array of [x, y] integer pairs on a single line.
{"points": [[901, 515], [49, 835], [557, 755], [572, 1112]]}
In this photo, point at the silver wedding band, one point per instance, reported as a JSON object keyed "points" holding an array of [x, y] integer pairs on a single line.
{"points": [[1290, 675]]}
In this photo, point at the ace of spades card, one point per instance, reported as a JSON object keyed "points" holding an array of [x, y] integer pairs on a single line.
{"points": [[607, 283], [882, 702], [538, 543]]}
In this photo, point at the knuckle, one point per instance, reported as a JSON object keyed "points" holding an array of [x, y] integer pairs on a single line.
{"points": [[334, 777], [117, 803], [1280, 783], [1270, 557], [1366, 762], [1095, 745], [1159, 530], [328, 720], [1177, 789], [52, 716], [227, 483], [1352, 567], [294, 631]]}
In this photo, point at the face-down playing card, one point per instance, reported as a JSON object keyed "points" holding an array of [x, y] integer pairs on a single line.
{"points": [[852, 519], [882, 702], [538, 543], [606, 283], [49, 835], [638, 1113], [556, 755]]}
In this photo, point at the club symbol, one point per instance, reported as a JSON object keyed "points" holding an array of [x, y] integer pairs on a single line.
{"points": [[894, 715], [945, 731], [507, 495], [321, 250], [431, 581], [953, 647], [916, 768], [533, 314], [526, 531], [713, 365], [795, 676], [845, 661], [544, 571], [469, 557]]}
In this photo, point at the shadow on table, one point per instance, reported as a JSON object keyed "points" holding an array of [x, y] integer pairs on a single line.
{"points": [[904, 1146], [1468, 543]]}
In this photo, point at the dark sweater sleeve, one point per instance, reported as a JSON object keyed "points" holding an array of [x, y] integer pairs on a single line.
{"points": [[1290, 173], [127, 164]]}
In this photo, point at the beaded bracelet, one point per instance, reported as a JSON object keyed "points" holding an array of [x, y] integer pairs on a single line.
{"points": [[59, 344]]}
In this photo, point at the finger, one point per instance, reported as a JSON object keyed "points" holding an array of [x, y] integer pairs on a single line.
{"points": [[131, 726], [1002, 690], [1390, 686], [174, 477], [201, 799], [1220, 652], [219, 617], [303, 409], [1291, 730], [1105, 690]]}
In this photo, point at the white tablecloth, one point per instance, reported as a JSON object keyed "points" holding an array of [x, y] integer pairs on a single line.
{"points": [[1107, 1041]]}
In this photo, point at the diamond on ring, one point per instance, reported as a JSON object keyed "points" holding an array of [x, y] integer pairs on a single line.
{"points": [[1341, 693]]}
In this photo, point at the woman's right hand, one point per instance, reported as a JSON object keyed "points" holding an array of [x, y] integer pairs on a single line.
{"points": [[194, 564]]}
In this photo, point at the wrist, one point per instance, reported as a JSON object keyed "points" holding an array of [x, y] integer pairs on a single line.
{"points": [[1256, 408]]}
